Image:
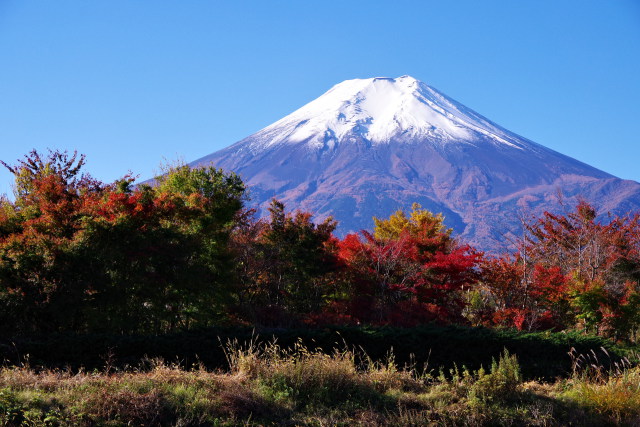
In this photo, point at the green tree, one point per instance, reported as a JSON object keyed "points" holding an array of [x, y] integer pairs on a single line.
{"points": [[286, 262]]}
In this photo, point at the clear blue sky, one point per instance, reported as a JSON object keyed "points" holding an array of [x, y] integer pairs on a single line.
{"points": [[130, 83]]}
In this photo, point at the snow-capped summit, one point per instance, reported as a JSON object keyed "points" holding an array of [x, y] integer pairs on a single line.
{"points": [[380, 109], [368, 147]]}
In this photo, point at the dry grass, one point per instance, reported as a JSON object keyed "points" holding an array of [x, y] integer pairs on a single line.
{"points": [[163, 395], [269, 385], [615, 395]]}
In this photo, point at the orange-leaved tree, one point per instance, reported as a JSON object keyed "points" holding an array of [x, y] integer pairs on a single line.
{"points": [[80, 255]]}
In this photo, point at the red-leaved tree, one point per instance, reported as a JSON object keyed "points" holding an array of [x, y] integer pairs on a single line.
{"points": [[409, 271]]}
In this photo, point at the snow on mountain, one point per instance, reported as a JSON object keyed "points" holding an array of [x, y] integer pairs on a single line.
{"points": [[370, 146], [380, 110]]}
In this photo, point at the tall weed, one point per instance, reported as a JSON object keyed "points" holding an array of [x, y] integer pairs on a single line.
{"points": [[609, 388]]}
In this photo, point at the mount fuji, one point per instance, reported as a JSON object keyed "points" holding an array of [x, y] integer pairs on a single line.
{"points": [[368, 147]]}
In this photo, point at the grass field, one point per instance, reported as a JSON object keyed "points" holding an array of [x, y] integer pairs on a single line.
{"points": [[268, 385]]}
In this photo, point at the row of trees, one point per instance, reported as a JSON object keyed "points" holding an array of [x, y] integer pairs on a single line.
{"points": [[80, 255], [570, 271], [409, 271]]}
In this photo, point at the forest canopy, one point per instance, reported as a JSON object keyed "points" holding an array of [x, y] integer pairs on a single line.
{"points": [[80, 255]]}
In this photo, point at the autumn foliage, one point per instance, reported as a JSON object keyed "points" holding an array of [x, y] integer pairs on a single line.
{"points": [[284, 265], [80, 255], [409, 271], [571, 271], [77, 254]]}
